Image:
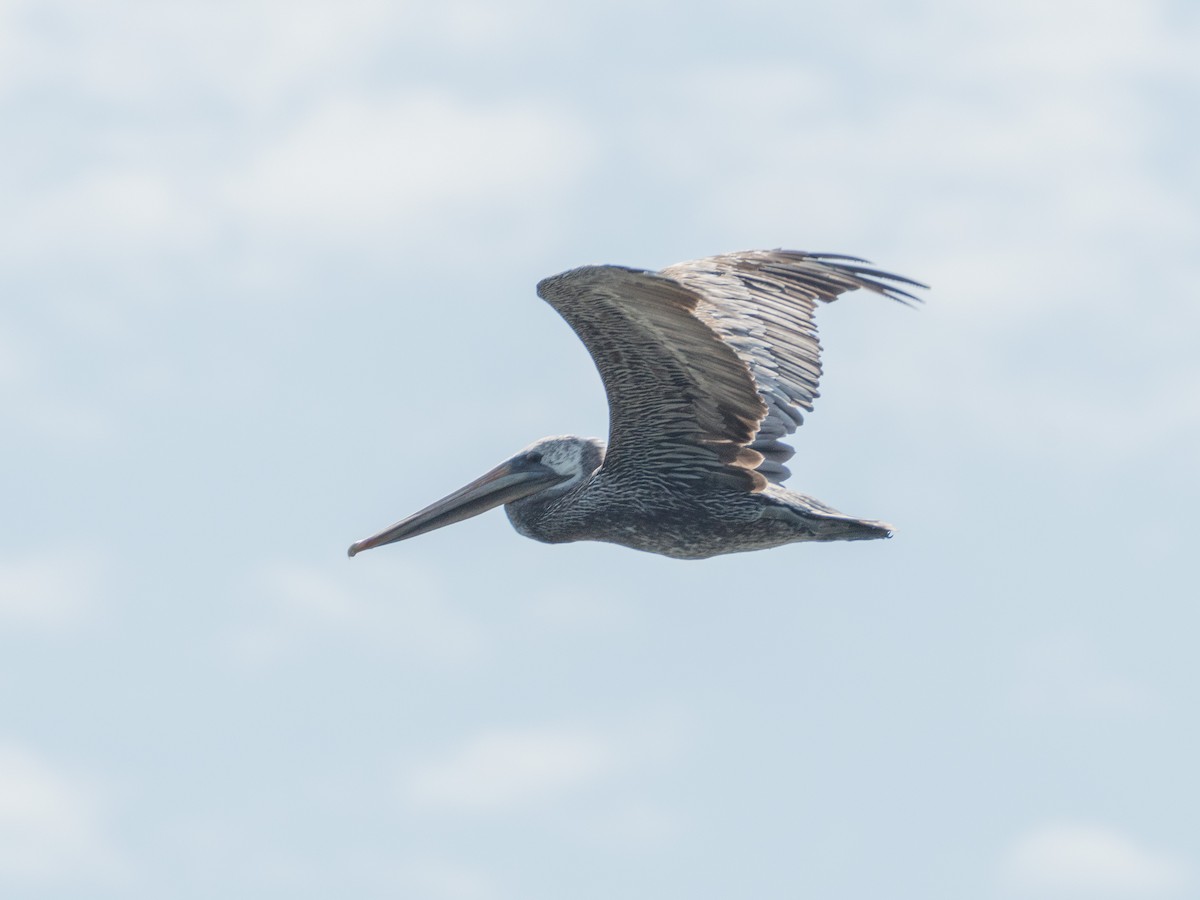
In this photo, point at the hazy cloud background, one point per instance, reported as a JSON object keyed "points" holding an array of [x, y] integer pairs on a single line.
{"points": [[268, 286]]}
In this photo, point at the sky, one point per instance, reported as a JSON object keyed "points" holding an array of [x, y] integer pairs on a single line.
{"points": [[267, 286]]}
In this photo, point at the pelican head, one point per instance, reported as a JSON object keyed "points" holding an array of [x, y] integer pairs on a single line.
{"points": [[546, 468]]}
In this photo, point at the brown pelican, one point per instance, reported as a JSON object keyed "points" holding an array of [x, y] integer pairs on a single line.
{"points": [[706, 365]]}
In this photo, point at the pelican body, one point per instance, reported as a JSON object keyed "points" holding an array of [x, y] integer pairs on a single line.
{"points": [[707, 366]]}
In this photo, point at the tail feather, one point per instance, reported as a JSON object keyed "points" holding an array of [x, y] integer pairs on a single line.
{"points": [[818, 522]]}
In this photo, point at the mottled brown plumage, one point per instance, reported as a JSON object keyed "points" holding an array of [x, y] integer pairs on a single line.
{"points": [[707, 366]]}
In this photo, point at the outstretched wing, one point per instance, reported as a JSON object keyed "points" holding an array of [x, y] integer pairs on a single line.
{"points": [[761, 303], [706, 362]]}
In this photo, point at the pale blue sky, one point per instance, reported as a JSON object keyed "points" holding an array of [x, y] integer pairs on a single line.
{"points": [[267, 286]]}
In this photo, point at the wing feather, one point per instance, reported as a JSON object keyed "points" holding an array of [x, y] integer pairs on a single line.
{"points": [[762, 303], [708, 364], [681, 401]]}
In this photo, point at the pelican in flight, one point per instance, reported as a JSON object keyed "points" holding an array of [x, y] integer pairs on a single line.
{"points": [[707, 366]]}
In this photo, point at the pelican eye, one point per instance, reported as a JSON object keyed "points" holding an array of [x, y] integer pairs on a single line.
{"points": [[534, 457]]}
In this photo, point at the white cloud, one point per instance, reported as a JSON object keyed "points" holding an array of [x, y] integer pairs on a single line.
{"points": [[116, 209], [395, 604], [1024, 180], [354, 171], [1108, 37], [51, 590], [50, 826], [251, 52], [231, 130], [1081, 860], [365, 165], [511, 769], [249, 56], [1005, 151]]}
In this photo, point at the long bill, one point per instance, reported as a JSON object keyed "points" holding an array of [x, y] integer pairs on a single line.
{"points": [[503, 484]]}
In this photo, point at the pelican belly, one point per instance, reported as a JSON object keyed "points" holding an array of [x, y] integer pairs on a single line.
{"points": [[686, 524]]}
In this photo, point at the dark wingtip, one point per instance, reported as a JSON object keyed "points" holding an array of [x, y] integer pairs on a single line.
{"points": [[875, 279], [845, 257], [862, 271]]}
